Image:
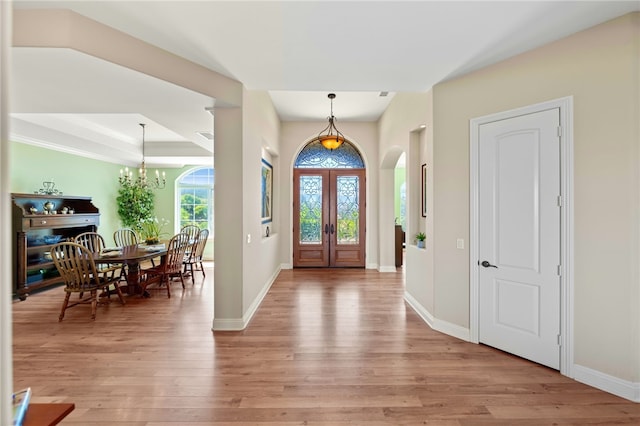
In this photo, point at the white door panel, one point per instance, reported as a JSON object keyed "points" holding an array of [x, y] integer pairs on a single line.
{"points": [[517, 199], [519, 236]]}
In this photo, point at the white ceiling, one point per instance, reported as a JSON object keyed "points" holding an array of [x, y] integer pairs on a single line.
{"points": [[298, 51]]}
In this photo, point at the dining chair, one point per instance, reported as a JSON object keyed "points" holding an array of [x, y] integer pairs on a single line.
{"points": [[191, 230], [94, 242], [194, 257], [77, 268], [125, 237], [171, 266]]}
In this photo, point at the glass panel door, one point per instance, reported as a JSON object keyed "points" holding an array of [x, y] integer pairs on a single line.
{"points": [[311, 218], [347, 214], [310, 209], [347, 209], [329, 216]]}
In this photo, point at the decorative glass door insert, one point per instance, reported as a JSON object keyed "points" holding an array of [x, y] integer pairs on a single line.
{"points": [[311, 209], [347, 209]]}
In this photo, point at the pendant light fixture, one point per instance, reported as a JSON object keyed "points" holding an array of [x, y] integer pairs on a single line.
{"points": [[126, 176], [332, 139]]}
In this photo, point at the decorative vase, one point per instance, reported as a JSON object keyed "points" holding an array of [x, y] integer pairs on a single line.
{"points": [[420, 243]]}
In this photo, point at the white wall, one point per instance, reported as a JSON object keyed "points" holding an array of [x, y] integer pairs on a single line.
{"points": [[247, 262], [294, 136], [260, 257], [401, 130], [599, 67], [229, 230]]}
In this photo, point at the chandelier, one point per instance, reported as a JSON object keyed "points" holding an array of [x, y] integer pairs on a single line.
{"points": [[333, 138], [126, 175]]}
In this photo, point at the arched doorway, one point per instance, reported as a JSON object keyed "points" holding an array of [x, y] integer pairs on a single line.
{"points": [[329, 207]]}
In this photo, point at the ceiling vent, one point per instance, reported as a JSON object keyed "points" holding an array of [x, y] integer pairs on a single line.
{"points": [[383, 94], [207, 135]]}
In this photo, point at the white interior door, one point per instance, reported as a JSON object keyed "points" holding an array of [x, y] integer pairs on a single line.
{"points": [[519, 236]]}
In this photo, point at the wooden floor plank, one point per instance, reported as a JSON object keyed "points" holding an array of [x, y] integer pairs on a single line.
{"points": [[326, 347]]}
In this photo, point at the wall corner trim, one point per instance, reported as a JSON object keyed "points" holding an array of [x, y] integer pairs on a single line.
{"points": [[436, 324]]}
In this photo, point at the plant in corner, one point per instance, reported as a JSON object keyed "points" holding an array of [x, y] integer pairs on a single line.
{"points": [[420, 237], [135, 204]]}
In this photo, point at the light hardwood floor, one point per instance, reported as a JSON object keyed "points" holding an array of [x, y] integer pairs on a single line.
{"points": [[326, 347]]}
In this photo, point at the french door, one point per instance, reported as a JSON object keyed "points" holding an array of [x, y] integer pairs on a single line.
{"points": [[329, 218]]}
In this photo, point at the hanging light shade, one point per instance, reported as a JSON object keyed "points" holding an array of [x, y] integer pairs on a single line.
{"points": [[332, 139]]}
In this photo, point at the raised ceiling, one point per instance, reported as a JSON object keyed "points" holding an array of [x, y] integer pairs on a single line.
{"points": [[298, 51]]}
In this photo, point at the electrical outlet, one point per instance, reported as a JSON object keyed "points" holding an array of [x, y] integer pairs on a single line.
{"points": [[248, 238], [460, 244]]}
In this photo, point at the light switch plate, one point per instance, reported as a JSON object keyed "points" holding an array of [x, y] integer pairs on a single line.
{"points": [[460, 244]]}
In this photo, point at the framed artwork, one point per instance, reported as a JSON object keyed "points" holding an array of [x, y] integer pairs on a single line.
{"points": [[424, 190], [266, 183]]}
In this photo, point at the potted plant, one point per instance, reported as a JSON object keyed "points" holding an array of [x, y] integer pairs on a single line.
{"points": [[420, 237], [151, 230]]}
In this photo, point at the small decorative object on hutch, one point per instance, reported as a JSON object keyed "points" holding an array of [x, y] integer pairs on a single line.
{"points": [[48, 188], [36, 227]]}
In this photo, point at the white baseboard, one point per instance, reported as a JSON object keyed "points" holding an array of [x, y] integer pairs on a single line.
{"points": [[435, 323], [419, 309], [387, 269], [240, 324], [371, 266], [286, 266], [622, 388], [227, 325]]}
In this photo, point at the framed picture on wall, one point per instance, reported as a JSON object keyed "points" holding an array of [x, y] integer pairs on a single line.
{"points": [[266, 182], [424, 190]]}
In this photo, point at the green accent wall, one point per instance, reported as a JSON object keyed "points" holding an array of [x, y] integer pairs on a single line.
{"points": [[75, 175], [400, 178]]}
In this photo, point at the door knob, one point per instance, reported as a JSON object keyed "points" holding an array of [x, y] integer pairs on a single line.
{"points": [[486, 264], [332, 228], [326, 228]]}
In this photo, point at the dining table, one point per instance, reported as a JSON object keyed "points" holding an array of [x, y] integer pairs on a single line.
{"points": [[131, 256]]}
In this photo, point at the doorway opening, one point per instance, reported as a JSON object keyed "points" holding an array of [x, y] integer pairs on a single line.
{"points": [[329, 208]]}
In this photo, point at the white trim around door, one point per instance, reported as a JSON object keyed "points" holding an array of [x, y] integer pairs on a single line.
{"points": [[566, 226]]}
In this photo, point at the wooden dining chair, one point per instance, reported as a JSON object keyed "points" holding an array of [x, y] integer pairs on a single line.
{"points": [[194, 257], [171, 266], [77, 268], [191, 230], [125, 237], [94, 242]]}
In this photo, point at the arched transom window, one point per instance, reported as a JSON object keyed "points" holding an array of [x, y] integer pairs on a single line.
{"points": [[315, 156]]}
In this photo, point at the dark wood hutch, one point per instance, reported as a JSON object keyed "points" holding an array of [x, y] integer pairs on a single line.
{"points": [[35, 229]]}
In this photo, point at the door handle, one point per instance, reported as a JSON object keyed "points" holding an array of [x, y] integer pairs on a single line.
{"points": [[326, 228], [332, 228], [486, 264]]}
